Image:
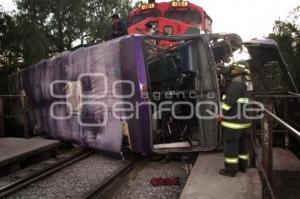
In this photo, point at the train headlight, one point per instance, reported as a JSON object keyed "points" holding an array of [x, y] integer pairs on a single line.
{"points": [[168, 30]]}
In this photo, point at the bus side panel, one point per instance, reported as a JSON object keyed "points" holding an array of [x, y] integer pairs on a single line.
{"points": [[71, 115]]}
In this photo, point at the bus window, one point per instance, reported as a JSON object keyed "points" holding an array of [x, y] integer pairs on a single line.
{"points": [[137, 18], [185, 15]]}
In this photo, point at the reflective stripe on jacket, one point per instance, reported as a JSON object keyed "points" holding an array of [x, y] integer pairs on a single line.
{"points": [[235, 125], [233, 104]]}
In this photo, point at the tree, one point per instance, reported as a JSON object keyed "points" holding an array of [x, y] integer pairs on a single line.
{"points": [[52, 26], [9, 47], [10, 50], [41, 29], [287, 35]]}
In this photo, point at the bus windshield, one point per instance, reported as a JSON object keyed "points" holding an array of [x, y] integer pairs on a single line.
{"points": [[137, 18], [186, 15]]}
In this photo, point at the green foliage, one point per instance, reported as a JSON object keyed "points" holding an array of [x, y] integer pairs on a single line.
{"points": [[42, 28], [9, 46], [287, 35], [10, 50], [52, 26]]}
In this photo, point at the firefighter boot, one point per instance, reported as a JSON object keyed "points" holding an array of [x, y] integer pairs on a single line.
{"points": [[243, 165]]}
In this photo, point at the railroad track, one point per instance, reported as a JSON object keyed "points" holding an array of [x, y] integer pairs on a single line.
{"points": [[43, 173], [104, 189]]}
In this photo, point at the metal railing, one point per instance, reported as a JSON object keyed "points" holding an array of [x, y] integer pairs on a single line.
{"points": [[265, 165], [295, 94], [283, 123]]}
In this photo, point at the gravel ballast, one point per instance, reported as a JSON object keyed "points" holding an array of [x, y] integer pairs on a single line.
{"points": [[140, 188], [73, 181]]}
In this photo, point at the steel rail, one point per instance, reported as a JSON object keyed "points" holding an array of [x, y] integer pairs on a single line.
{"points": [[103, 188], [24, 182]]}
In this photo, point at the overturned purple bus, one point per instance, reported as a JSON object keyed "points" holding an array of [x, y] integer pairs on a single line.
{"points": [[130, 93], [122, 93]]}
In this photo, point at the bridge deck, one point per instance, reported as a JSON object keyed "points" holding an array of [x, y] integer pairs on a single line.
{"points": [[286, 174], [206, 183]]}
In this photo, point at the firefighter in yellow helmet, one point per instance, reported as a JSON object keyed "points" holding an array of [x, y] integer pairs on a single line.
{"points": [[234, 123]]}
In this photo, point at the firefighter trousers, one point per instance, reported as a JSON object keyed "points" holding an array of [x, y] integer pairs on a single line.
{"points": [[236, 149]]}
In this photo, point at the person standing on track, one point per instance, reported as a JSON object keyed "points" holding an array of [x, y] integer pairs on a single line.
{"points": [[234, 120]]}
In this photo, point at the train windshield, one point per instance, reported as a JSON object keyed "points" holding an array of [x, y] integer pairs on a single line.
{"points": [[185, 15], [137, 18]]}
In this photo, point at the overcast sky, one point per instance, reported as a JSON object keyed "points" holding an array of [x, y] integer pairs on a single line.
{"points": [[249, 18]]}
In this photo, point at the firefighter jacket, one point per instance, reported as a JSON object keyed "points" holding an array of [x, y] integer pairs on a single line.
{"points": [[234, 104]]}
